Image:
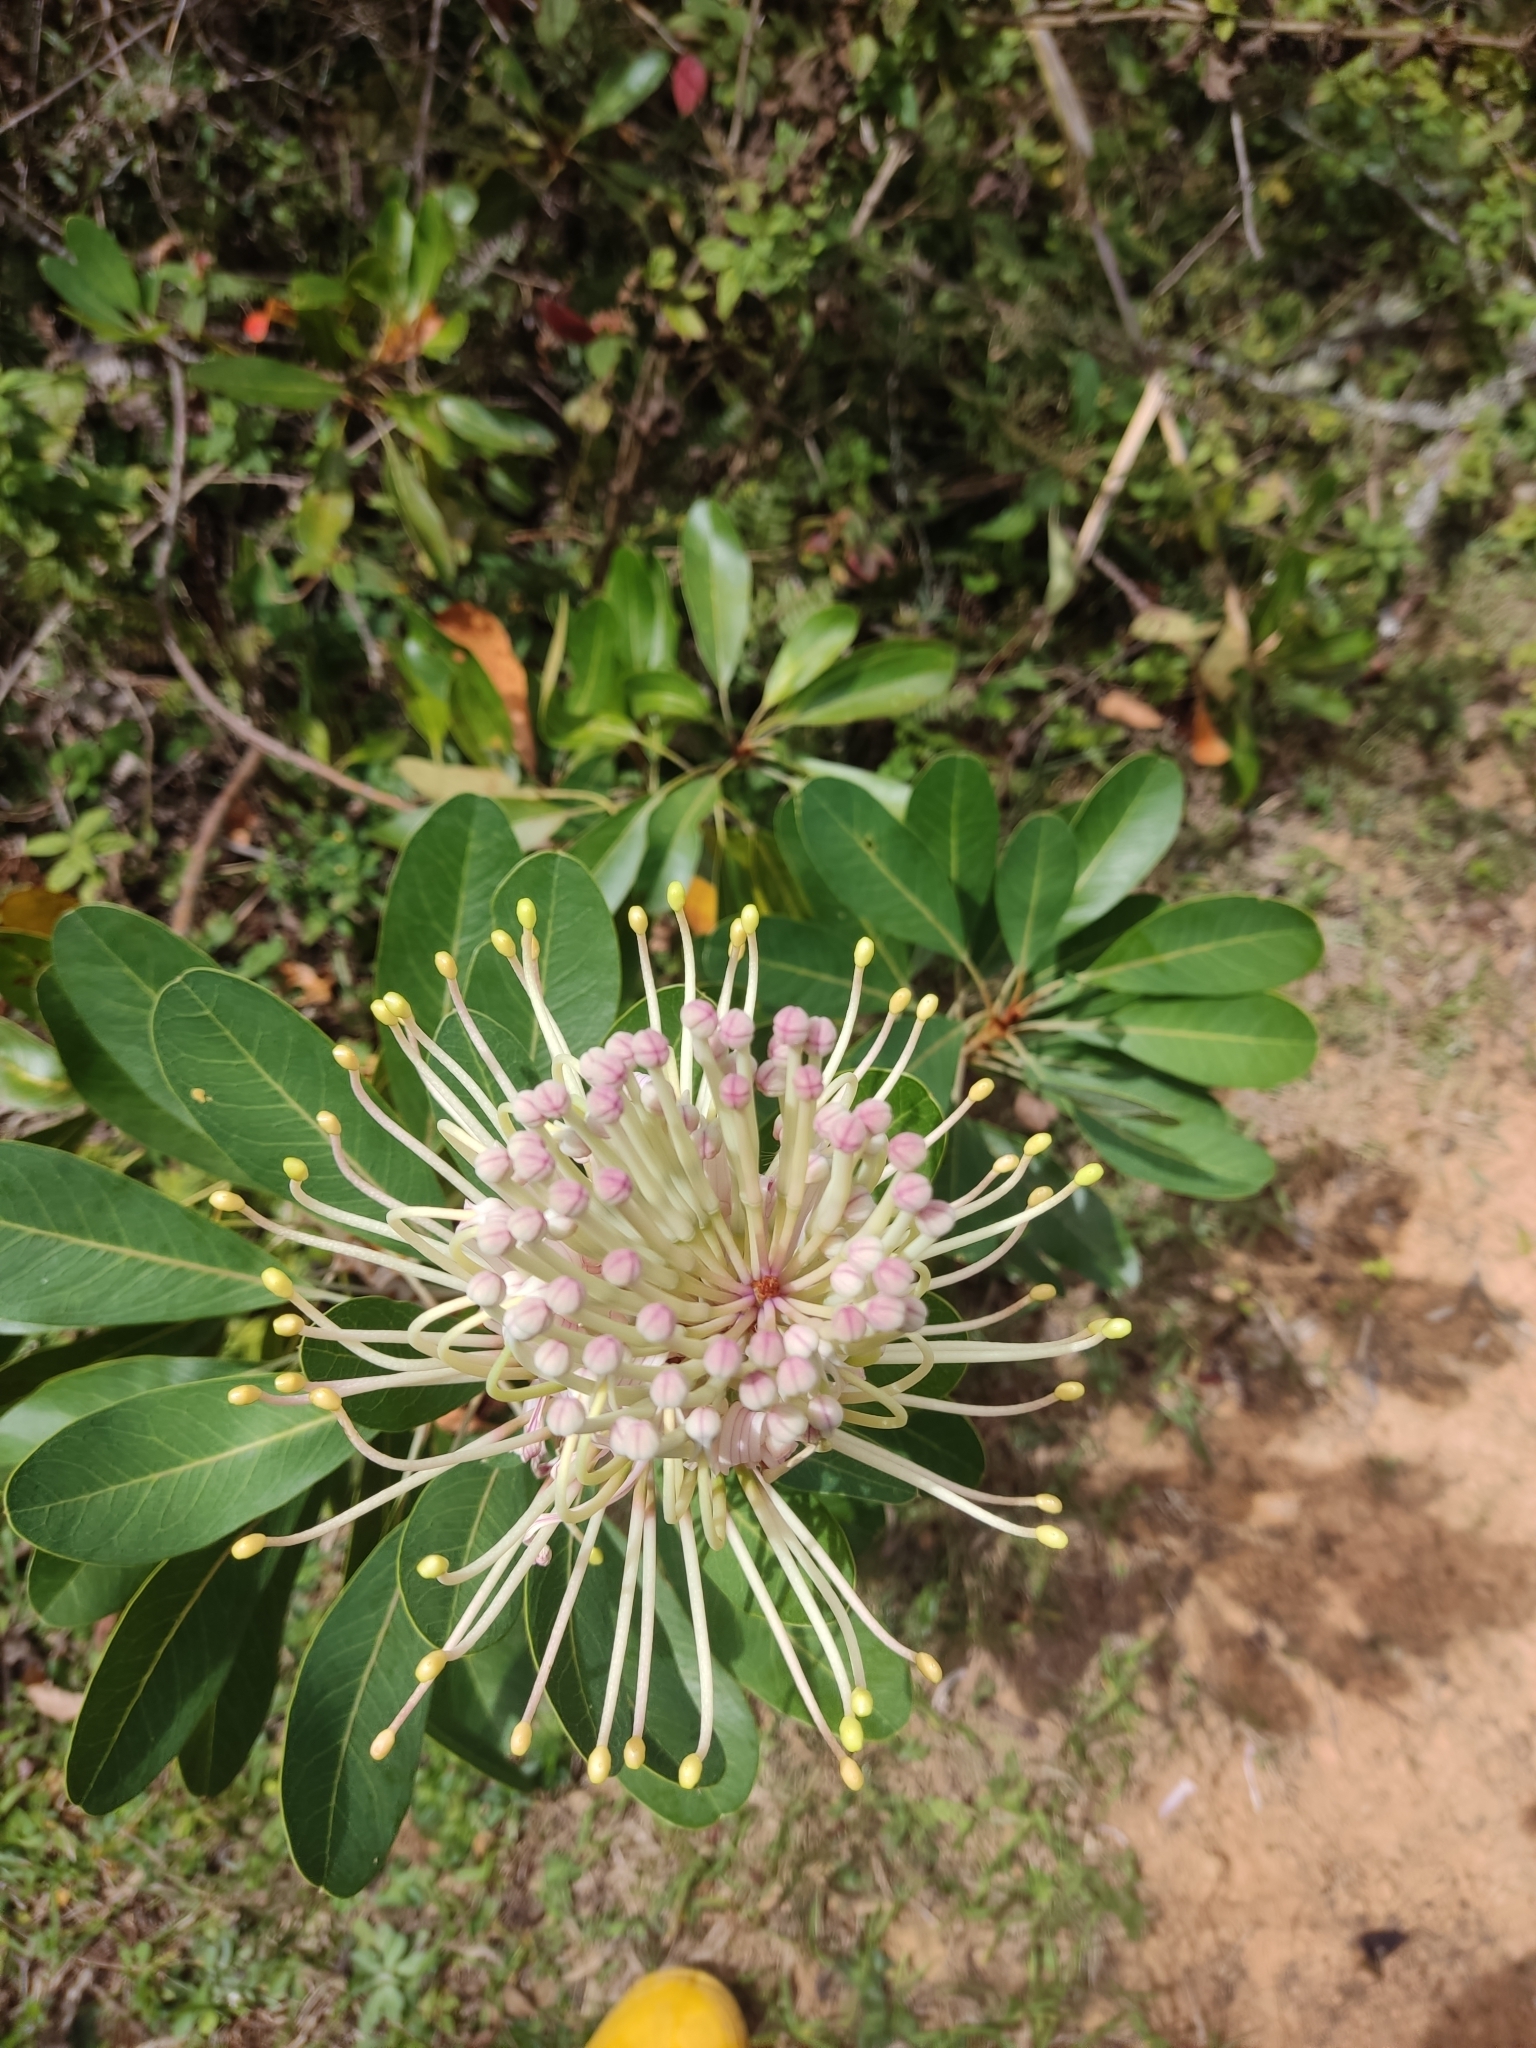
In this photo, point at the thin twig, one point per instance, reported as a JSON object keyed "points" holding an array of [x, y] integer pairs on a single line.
{"points": [[170, 34], [114, 52], [207, 834], [1148, 406], [897, 151], [52, 621], [1129, 319], [274, 749], [1436, 34], [170, 512], [1061, 89], [657, 28], [739, 106], [424, 109], [1203, 247], [1245, 184], [371, 650]]}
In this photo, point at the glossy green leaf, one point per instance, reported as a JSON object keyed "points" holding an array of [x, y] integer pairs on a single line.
{"points": [[597, 658], [1035, 880], [936, 1063], [83, 1389], [675, 849], [263, 380], [263, 1073], [1255, 1041], [80, 1245], [459, 1515], [878, 868], [342, 1809], [69, 1594], [420, 513], [1122, 831], [640, 594], [23, 957], [167, 1471], [491, 431], [668, 695], [109, 964], [212, 1754], [104, 264], [621, 89], [32, 1076], [954, 812], [476, 1703], [512, 1047], [578, 950], [1213, 1163], [888, 680], [807, 965], [323, 1358], [717, 588], [1073, 955], [612, 852], [1213, 946], [579, 1680], [809, 652]]}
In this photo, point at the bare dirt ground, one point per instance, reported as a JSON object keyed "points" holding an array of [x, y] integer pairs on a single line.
{"points": [[1339, 1740]]}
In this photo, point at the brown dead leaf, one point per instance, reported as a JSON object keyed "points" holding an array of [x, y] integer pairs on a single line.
{"points": [[1160, 625], [53, 1702], [1207, 748], [306, 983], [1229, 651], [482, 634], [701, 906], [34, 910], [404, 340], [1127, 709]]}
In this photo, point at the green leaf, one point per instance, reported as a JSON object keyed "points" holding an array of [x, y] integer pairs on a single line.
{"points": [[68, 1594], [432, 250], [809, 652], [103, 264], [888, 680], [32, 1077], [318, 525], [954, 812], [420, 513], [476, 1703], [1214, 946], [167, 1471], [1062, 567], [1076, 954], [1212, 1162], [717, 588], [109, 964], [342, 1810], [807, 965], [263, 380], [164, 1667], [675, 837], [580, 1676], [23, 957], [211, 1756], [492, 431], [640, 595], [263, 1074], [82, 1390], [1255, 1041], [596, 658], [612, 852], [459, 1515], [322, 1358], [621, 89], [1122, 830], [80, 1245], [440, 898], [879, 869], [668, 695], [1035, 880], [578, 955]]}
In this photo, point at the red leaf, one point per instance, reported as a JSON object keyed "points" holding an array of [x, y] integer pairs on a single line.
{"points": [[690, 82], [563, 323], [256, 326]]}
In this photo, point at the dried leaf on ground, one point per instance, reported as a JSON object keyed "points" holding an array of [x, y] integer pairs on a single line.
{"points": [[1127, 709]]}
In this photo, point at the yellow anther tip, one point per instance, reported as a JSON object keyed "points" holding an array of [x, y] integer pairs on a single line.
{"points": [[863, 952], [1007, 1164], [296, 1169], [899, 1001], [503, 941], [345, 1057], [689, 1772], [1071, 1390], [226, 1201], [380, 1011], [429, 1667], [288, 1325], [851, 1775], [862, 1700], [980, 1090], [927, 1008], [1036, 1196], [634, 1753], [596, 1557], [382, 1744], [1047, 1503], [326, 1398], [929, 1667], [328, 1122], [677, 896], [1040, 1142], [397, 1006], [638, 922], [751, 918], [738, 934], [599, 1765], [248, 1546], [244, 1396], [1085, 1176], [1050, 1537], [446, 966], [1042, 1291], [850, 1732], [1117, 1326], [522, 1738], [527, 913], [289, 1382], [432, 1566]]}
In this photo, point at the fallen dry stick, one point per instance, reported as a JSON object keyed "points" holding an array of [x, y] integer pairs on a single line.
{"points": [[207, 835]]}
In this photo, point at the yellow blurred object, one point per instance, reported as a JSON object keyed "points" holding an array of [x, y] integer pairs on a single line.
{"points": [[674, 2009], [701, 906], [34, 910]]}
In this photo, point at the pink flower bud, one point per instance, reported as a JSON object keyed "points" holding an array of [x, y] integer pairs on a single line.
{"points": [[858, 1209], [800, 1341], [527, 1225], [807, 1083], [655, 1322], [699, 1015], [824, 1412], [917, 1312], [613, 1185], [652, 1049], [885, 1313], [722, 1357], [603, 1355], [797, 1376], [765, 1347], [770, 1078], [605, 1106], [632, 1437], [493, 1164], [565, 1414], [622, 1046], [786, 1426], [758, 1390], [848, 1324], [791, 1026], [703, 1425], [847, 1280], [530, 1157], [735, 1028], [493, 1236], [735, 1091], [599, 1066], [553, 1359], [821, 1037], [894, 1276], [669, 1389], [907, 1149], [621, 1266], [565, 1294], [864, 1254], [525, 1318], [486, 1289], [911, 1192], [936, 1219], [847, 1133], [569, 1197]]}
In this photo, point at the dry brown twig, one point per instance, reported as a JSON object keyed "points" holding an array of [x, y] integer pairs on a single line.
{"points": [[207, 836]]}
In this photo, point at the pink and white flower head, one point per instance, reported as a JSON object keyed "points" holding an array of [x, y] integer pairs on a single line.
{"points": [[664, 1325]]}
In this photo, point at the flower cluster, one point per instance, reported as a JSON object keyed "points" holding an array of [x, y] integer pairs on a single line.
{"points": [[660, 1314]]}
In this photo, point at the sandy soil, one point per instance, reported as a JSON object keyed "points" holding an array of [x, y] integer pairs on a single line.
{"points": [[1340, 1742]]}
